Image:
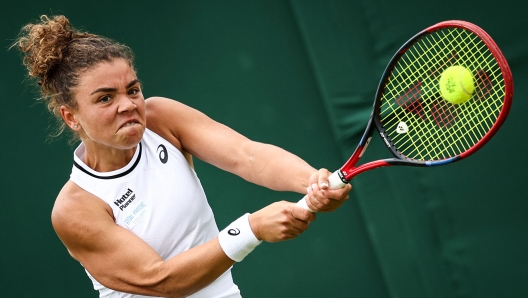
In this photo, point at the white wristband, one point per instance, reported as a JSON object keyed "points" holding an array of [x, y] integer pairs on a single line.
{"points": [[237, 239]]}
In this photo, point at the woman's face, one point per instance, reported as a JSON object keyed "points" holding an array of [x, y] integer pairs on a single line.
{"points": [[110, 106]]}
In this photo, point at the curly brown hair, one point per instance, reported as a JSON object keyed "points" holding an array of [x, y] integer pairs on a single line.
{"points": [[56, 54]]}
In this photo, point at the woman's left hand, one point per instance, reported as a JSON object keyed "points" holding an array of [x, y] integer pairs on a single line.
{"points": [[320, 198]]}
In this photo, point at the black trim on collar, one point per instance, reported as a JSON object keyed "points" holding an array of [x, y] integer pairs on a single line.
{"points": [[114, 176]]}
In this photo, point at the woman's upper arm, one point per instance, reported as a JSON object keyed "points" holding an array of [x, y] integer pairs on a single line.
{"points": [[113, 255]]}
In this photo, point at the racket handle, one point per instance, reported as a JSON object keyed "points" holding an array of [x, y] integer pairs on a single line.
{"points": [[334, 182]]}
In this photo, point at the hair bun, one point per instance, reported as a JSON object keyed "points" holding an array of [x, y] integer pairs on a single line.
{"points": [[43, 44]]}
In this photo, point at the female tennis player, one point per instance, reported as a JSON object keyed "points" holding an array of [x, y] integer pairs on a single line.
{"points": [[133, 212]]}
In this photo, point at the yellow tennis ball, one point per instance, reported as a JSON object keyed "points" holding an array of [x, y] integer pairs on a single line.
{"points": [[456, 84]]}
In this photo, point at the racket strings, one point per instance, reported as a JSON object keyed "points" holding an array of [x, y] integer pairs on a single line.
{"points": [[419, 122]]}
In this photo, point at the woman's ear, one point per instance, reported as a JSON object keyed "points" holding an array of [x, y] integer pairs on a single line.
{"points": [[69, 118]]}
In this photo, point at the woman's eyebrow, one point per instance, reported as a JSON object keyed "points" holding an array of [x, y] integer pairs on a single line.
{"points": [[108, 89]]}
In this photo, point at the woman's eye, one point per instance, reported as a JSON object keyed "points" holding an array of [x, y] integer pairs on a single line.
{"points": [[133, 91], [105, 98]]}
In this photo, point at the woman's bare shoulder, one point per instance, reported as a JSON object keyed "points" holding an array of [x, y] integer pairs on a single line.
{"points": [[158, 104], [75, 210], [167, 118]]}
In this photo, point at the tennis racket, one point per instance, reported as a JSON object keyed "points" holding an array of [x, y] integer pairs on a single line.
{"points": [[418, 126]]}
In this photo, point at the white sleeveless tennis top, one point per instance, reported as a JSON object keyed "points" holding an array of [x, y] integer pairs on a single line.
{"points": [[158, 197]]}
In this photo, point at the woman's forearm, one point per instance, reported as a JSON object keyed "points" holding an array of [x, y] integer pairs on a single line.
{"points": [[275, 168]]}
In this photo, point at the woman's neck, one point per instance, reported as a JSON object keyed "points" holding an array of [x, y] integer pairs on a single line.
{"points": [[102, 158]]}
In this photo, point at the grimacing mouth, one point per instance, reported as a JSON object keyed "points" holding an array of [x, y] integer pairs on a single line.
{"points": [[129, 123]]}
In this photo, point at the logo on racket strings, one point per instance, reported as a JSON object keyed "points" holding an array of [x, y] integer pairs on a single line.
{"points": [[402, 128], [233, 232]]}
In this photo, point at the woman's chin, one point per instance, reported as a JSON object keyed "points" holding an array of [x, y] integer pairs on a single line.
{"points": [[130, 136]]}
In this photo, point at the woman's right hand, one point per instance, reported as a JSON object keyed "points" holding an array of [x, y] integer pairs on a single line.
{"points": [[280, 221]]}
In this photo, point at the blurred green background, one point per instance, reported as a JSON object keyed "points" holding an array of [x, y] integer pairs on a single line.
{"points": [[300, 75]]}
